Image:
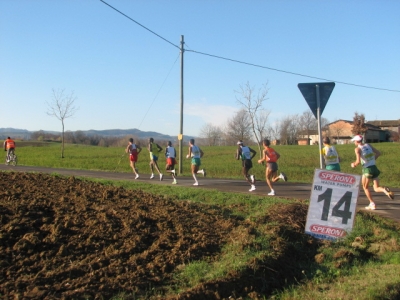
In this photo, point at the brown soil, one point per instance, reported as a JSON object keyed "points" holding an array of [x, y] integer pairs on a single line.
{"points": [[64, 238]]}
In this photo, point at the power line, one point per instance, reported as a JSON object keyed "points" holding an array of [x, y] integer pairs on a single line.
{"points": [[292, 73], [251, 64], [151, 104], [140, 24]]}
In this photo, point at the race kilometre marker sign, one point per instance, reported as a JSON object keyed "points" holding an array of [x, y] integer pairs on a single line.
{"points": [[333, 202]]}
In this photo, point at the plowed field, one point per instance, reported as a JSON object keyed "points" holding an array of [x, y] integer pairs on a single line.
{"points": [[64, 238]]}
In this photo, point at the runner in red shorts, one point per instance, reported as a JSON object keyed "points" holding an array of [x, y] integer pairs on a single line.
{"points": [[170, 154], [133, 151]]}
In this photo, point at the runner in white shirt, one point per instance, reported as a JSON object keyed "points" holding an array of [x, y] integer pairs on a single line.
{"points": [[196, 154], [366, 155]]}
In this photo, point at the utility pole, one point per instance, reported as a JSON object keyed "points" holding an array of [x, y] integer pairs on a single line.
{"points": [[180, 137]]}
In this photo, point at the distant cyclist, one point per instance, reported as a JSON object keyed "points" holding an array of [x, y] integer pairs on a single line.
{"points": [[9, 146]]}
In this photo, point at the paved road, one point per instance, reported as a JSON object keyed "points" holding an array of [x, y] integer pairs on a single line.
{"points": [[385, 206]]}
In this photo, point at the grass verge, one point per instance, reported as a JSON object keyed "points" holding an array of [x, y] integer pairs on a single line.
{"points": [[271, 250]]}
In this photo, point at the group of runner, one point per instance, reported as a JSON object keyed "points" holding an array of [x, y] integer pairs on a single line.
{"points": [[246, 154], [195, 153], [366, 155], [270, 158]]}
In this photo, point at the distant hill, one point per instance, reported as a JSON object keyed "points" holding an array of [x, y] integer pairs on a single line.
{"points": [[14, 133], [26, 135]]}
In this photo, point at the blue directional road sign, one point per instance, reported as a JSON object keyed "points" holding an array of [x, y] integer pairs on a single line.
{"points": [[309, 91]]}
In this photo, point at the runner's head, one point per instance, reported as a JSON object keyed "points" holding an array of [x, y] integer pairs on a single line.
{"points": [[169, 143], [151, 140], [266, 142], [240, 143], [326, 140], [358, 139], [191, 141], [131, 140]]}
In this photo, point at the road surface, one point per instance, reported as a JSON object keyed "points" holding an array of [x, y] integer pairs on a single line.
{"points": [[385, 207]]}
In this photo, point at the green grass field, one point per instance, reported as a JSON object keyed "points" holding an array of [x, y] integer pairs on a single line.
{"points": [[298, 162]]}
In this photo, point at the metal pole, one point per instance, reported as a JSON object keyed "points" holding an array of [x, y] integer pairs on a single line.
{"points": [[181, 122], [319, 127]]}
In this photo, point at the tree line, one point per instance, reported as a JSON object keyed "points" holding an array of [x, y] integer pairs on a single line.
{"points": [[285, 131]]}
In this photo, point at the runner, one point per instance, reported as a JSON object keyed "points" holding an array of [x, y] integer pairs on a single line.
{"points": [[271, 157], [170, 154], [133, 151], [246, 154], [196, 154], [330, 155], [367, 156], [153, 147]]}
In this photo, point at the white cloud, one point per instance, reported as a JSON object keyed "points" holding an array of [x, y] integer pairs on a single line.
{"points": [[217, 115]]}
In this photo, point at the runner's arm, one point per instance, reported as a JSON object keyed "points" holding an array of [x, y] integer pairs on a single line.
{"points": [[277, 155], [264, 158], [376, 151], [357, 162], [238, 152], [253, 152]]}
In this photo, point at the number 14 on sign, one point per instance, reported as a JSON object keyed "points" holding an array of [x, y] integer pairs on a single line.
{"points": [[333, 201]]}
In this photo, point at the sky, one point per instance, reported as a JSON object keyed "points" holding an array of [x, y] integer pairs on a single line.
{"points": [[124, 67]]}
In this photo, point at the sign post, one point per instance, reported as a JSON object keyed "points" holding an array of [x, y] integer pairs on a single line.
{"points": [[317, 95]]}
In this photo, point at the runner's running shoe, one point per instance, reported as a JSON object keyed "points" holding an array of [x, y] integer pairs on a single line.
{"points": [[283, 176], [371, 206], [389, 193]]}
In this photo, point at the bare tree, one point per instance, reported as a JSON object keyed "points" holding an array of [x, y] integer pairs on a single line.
{"points": [[324, 122], [288, 129], [253, 105], [338, 129], [62, 107], [273, 132], [211, 134], [307, 122], [359, 126], [239, 127]]}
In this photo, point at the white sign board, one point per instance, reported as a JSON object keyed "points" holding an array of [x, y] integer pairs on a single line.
{"points": [[333, 201]]}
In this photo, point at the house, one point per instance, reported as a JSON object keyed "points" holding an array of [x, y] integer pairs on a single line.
{"points": [[392, 126], [340, 132], [307, 137]]}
